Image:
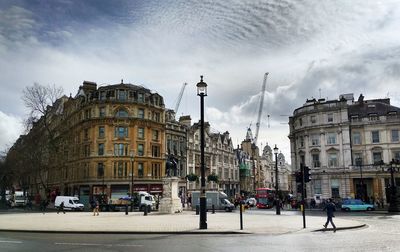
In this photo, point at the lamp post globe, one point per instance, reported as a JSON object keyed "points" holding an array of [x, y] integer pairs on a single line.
{"points": [[277, 201], [202, 91]]}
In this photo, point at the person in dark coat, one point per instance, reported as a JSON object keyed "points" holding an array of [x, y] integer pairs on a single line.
{"points": [[61, 208], [330, 209]]}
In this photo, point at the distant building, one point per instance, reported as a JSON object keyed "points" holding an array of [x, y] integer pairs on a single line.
{"points": [[347, 144]]}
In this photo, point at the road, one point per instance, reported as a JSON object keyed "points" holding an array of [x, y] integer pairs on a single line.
{"points": [[381, 235]]}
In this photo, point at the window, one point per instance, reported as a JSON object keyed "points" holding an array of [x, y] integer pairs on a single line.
{"points": [[156, 116], [314, 139], [101, 149], [141, 113], [373, 117], [377, 157], [140, 150], [332, 160], [395, 135], [120, 169], [141, 133], [317, 187], [86, 151], [100, 170], [121, 132], [156, 170], [121, 113], [375, 136], [86, 134], [330, 117], [396, 155], [101, 132], [121, 95], [315, 158], [102, 112], [140, 97], [356, 138], [140, 170], [301, 141], [87, 114], [313, 119], [155, 135], [331, 138], [120, 149], [155, 150], [300, 121], [335, 188], [102, 95], [358, 161]]}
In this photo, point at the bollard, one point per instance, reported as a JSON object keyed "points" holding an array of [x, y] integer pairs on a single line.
{"points": [[145, 210], [241, 215], [213, 209], [126, 209], [197, 209]]}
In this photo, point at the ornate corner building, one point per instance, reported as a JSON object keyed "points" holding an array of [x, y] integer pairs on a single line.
{"points": [[347, 144], [107, 140]]}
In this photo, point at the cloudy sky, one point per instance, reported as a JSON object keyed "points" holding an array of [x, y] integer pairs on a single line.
{"points": [[310, 49]]}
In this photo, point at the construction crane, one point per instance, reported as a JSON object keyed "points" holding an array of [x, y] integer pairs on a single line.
{"points": [[260, 108], [178, 102]]}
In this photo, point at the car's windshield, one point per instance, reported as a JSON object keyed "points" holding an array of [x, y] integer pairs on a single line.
{"points": [[76, 201]]}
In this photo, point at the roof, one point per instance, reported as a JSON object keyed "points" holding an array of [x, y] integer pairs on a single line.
{"points": [[366, 108]]}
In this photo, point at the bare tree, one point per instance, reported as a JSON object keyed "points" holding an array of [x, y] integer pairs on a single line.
{"points": [[37, 99], [42, 145]]}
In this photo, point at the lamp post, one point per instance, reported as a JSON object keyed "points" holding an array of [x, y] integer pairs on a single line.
{"points": [[202, 91], [359, 163], [394, 198], [132, 155], [277, 202]]}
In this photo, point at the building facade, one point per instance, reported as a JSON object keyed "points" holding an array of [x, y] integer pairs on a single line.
{"points": [[219, 159], [109, 140], [347, 144]]}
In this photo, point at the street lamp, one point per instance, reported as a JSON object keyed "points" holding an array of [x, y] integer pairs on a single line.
{"points": [[359, 163], [132, 155], [277, 203], [202, 91], [394, 198]]}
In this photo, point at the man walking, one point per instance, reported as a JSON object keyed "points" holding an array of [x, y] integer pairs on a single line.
{"points": [[61, 208], [330, 209]]}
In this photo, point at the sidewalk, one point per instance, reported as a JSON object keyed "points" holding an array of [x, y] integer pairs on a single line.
{"points": [[186, 223]]}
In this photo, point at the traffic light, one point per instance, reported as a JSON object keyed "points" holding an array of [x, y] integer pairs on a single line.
{"points": [[299, 188], [299, 176], [307, 175]]}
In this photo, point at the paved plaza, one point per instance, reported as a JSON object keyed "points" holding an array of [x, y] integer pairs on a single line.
{"points": [[185, 222]]}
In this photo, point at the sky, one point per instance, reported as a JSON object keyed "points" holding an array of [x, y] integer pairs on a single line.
{"points": [[310, 48]]}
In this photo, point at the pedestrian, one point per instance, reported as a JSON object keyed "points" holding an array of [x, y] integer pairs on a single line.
{"points": [[61, 208], [189, 200], [43, 205], [96, 208], [330, 209]]}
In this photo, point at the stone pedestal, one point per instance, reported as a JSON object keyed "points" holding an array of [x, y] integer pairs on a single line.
{"points": [[170, 202]]}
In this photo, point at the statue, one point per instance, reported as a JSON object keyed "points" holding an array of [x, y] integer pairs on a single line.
{"points": [[171, 166]]}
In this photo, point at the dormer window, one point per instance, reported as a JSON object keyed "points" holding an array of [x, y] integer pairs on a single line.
{"points": [[373, 117], [140, 97], [122, 95]]}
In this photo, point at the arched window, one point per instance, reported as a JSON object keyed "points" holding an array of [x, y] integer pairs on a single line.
{"points": [[121, 113]]}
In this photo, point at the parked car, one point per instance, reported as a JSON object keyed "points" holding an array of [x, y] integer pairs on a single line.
{"points": [[356, 205]]}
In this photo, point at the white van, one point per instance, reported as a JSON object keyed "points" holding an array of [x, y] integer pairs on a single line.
{"points": [[70, 203]]}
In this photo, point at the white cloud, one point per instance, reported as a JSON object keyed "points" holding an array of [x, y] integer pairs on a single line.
{"points": [[10, 129]]}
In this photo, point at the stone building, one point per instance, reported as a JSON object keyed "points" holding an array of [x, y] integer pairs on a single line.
{"points": [[219, 159], [347, 144], [108, 141], [268, 166]]}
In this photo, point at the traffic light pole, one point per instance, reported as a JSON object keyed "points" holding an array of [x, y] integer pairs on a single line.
{"points": [[303, 192]]}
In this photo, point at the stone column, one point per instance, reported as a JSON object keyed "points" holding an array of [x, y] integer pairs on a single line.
{"points": [[170, 202]]}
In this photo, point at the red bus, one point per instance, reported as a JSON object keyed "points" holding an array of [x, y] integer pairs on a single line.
{"points": [[265, 197]]}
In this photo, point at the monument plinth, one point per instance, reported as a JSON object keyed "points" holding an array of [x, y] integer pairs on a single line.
{"points": [[170, 202]]}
